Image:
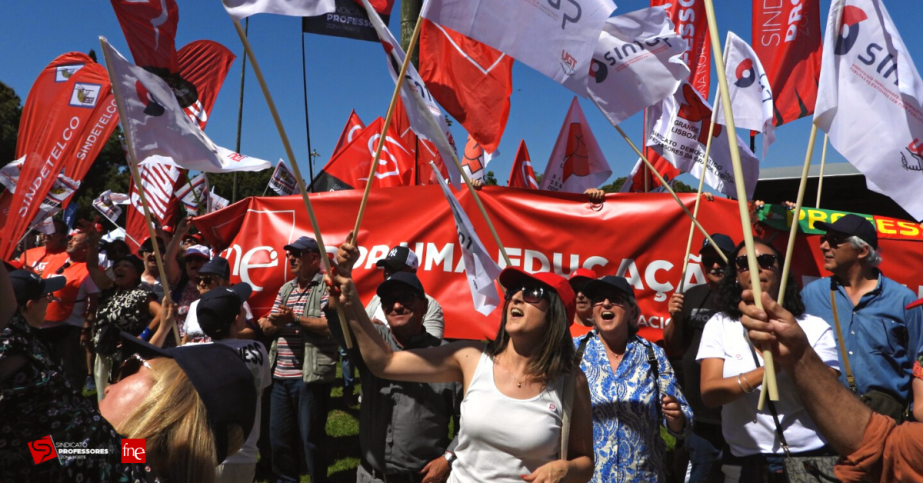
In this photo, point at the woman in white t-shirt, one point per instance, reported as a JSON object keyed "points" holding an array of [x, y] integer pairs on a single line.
{"points": [[731, 374]]}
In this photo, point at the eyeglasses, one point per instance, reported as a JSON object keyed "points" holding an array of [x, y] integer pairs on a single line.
{"points": [[766, 261], [204, 279], [293, 253], [531, 294], [64, 267], [833, 240], [406, 299], [614, 298], [131, 366]]}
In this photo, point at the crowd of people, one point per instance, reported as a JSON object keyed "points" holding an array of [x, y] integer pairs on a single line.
{"points": [[96, 349]]}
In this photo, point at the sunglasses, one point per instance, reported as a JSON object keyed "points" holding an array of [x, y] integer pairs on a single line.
{"points": [[833, 240], [131, 366], [711, 261], [614, 298], [766, 261], [204, 279], [406, 299], [63, 268], [294, 253], [531, 294]]}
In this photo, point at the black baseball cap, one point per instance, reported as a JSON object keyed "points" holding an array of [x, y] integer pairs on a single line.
{"points": [[29, 286], [302, 244], [219, 307], [147, 246], [400, 257], [133, 260], [219, 376], [603, 285], [853, 225], [722, 242], [401, 278], [217, 266]]}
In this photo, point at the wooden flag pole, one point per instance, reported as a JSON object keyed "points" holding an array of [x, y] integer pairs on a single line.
{"points": [[295, 169], [133, 165], [786, 268], [820, 177], [695, 210], [770, 379], [669, 189], [384, 130]]}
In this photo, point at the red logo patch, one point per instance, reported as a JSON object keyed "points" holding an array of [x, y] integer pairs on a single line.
{"points": [[43, 450], [134, 451]]}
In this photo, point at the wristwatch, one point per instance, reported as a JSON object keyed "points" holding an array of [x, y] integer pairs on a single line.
{"points": [[450, 457]]}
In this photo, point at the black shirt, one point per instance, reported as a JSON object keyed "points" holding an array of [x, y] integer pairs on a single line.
{"points": [[698, 307]]}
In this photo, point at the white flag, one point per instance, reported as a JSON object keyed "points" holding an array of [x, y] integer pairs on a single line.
{"points": [[216, 202], [751, 96], [554, 37], [475, 160], [294, 8], [638, 63], [106, 205], [577, 162], [193, 193], [679, 129], [9, 174], [869, 101], [283, 180], [159, 126], [480, 269], [424, 114], [61, 190]]}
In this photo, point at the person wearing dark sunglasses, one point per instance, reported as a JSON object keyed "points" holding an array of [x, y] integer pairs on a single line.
{"points": [[731, 372], [881, 337], [216, 273], [515, 384]]}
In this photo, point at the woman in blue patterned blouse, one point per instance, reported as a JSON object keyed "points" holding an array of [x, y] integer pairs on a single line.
{"points": [[632, 388]]}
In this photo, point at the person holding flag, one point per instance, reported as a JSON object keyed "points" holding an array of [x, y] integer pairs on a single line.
{"points": [[37, 258]]}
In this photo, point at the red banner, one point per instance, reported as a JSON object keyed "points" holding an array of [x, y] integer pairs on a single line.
{"points": [[688, 17], [787, 39], [150, 29]]}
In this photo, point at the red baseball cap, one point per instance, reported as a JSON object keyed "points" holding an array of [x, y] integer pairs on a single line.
{"points": [[513, 276], [580, 277], [914, 304]]}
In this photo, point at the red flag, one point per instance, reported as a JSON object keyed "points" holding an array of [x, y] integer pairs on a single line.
{"points": [[353, 126], [635, 183], [159, 181], [349, 169], [689, 18], [475, 159], [576, 162], [522, 175], [204, 64], [150, 29], [787, 40], [427, 153], [470, 80]]}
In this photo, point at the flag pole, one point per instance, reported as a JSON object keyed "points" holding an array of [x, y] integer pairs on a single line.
{"points": [[698, 198], [477, 200], [198, 203], [797, 214], [820, 178], [133, 166], [384, 129], [297, 171], [307, 122], [240, 110], [770, 379]]}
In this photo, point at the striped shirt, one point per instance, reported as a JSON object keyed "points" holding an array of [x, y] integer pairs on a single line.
{"points": [[290, 346]]}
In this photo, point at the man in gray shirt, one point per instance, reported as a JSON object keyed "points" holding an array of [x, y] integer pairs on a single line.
{"points": [[403, 426], [403, 259]]}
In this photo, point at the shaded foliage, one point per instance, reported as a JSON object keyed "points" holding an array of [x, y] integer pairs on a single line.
{"points": [[10, 112]]}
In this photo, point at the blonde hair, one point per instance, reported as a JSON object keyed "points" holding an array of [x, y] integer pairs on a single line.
{"points": [[172, 419]]}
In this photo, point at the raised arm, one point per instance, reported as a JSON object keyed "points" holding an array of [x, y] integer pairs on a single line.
{"points": [[170, 265]]}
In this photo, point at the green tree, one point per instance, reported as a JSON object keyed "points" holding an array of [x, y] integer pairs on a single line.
{"points": [[10, 112], [490, 179], [248, 184]]}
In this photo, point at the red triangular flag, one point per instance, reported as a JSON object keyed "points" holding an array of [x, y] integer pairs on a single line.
{"points": [[353, 126], [522, 175], [350, 167]]}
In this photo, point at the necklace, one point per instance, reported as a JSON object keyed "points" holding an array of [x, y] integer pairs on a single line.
{"points": [[518, 380]]}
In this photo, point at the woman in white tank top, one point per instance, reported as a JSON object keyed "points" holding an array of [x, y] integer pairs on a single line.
{"points": [[511, 416]]}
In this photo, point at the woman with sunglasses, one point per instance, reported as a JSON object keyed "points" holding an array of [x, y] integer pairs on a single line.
{"points": [[633, 389], [732, 370], [511, 415]]}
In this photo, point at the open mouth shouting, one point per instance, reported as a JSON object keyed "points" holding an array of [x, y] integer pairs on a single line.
{"points": [[607, 315]]}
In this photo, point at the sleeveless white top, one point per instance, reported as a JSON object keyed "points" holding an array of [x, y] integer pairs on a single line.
{"points": [[502, 438]]}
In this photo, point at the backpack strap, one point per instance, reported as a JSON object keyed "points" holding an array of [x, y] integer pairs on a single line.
{"points": [[655, 370], [570, 381], [850, 379]]}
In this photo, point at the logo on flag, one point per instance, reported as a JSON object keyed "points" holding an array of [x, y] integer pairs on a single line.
{"points": [[849, 32], [745, 74], [85, 95], [42, 450], [64, 72]]}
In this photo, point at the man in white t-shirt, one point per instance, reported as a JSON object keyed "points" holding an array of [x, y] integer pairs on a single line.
{"points": [[221, 316], [216, 273]]}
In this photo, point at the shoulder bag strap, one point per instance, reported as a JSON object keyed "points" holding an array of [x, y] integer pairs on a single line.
{"points": [[570, 380], [655, 370], [772, 408], [850, 379]]}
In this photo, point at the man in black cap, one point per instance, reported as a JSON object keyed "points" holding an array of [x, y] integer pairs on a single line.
{"points": [[403, 259], [303, 357], [216, 273], [690, 311], [221, 315], [877, 336], [403, 426]]}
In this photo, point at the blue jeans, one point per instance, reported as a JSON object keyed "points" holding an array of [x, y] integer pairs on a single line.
{"points": [[704, 445], [347, 367], [297, 419]]}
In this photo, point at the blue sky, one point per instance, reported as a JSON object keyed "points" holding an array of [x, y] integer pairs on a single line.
{"points": [[346, 74]]}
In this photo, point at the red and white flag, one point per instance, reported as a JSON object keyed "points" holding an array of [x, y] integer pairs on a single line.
{"points": [[108, 203], [679, 132], [786, 37], [150, 29], [553, 37], [216, 202], [577, 163], [636, 179], [471, 81], [637, 63], [869, 101], [522, 175], [241, 9], [9, 174], [688, 17], [751, 95], [350, 168], [475, 159], [283, 180], [423, 113], [193, 194], [353, 126], [159, 182], [480, 269], [203, 66], [159, 126]]}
